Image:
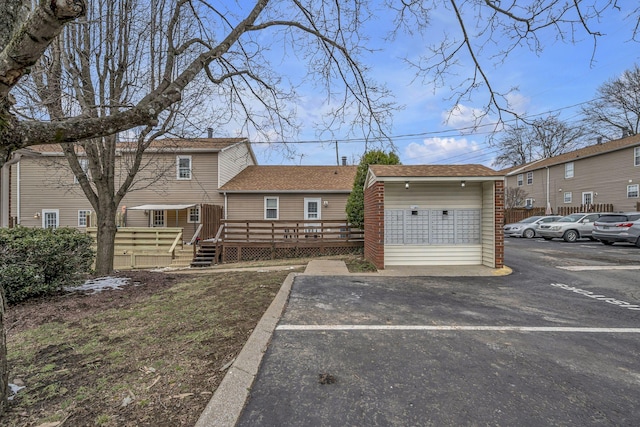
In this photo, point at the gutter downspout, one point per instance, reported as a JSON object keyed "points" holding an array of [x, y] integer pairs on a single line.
{"points": [[548, 197], [225, 205], [5, 190]]}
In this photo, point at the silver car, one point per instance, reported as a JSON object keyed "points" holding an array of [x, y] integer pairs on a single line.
{"points": [[528, 227], [570, 228], [618, 227]]}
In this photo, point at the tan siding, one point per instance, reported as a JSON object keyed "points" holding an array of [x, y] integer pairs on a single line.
{"points": [[432, 255], [488, 224], [291, 206], [232, 161], [432, 195], [607, 174]]}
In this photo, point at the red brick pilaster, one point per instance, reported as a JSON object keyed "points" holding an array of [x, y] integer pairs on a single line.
{"points": [[499, 223], [374, 224]]}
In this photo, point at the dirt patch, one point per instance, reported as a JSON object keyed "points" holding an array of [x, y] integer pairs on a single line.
{"points": [[149, 354]]}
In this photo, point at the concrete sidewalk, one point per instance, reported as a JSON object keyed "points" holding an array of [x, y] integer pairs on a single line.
{"points": [[228, 401]]}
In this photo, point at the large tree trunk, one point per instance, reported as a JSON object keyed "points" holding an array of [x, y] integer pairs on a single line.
{"points": [[4, 368], [105, 240]]}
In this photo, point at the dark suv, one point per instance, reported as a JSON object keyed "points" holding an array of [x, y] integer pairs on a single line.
{"points": [[618, 227]]}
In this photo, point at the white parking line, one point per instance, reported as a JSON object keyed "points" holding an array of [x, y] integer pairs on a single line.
{"points": [[614, 301], [453, 328], [598, 267]]}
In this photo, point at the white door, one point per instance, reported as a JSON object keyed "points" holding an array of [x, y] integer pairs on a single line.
{"points": [[587, 198], [50, 218], [312, 212]]}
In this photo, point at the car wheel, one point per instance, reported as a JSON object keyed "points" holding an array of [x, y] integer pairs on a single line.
{"points": [[528, 233], [570, 236], [606, 242]]}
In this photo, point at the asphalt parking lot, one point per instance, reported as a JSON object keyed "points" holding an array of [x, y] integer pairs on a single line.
{"points": [[554, 343]]}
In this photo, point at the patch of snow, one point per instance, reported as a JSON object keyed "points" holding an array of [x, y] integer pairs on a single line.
{"points": [[100, 284]]}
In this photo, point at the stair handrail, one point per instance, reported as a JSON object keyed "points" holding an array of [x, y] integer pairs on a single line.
{"points": [[218, 241], [178, 238], [196, 234]]}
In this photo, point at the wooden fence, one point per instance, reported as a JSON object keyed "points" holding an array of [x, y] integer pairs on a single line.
{"points": [[518, 214], [251, 240], [211, 220]]}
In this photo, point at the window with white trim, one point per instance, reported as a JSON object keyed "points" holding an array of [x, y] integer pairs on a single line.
{"points": [[271, 207], [193, 214], [157, 219], [632, 190], [528, 202], [568, 170], [50, 218], [529, 178], [82, 217], [520, 180], [567, 197], [636, 156], [183, 164], [84, 164], [312, 208]]}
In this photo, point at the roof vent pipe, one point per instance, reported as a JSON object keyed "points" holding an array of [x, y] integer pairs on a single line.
{"points": [[210, 132], [344, 160]]}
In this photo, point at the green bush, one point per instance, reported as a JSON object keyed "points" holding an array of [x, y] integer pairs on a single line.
{"points": [[36, 262]]}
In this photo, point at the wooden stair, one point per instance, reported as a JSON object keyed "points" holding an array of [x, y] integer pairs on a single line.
{"points": [[206, 255]]}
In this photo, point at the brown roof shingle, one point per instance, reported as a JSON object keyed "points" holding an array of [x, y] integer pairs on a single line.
{"points": [[208, 144], [592, 150], [293, 178], [426, 171]]}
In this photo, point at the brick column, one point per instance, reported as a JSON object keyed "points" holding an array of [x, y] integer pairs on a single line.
{"points": [[499, 223], [374, 224]]}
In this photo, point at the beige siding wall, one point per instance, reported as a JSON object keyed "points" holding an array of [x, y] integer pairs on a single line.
{"points": [[233, 160], [445, 195], [607, 174], [488, 225], [49, 184], [291, 206]]}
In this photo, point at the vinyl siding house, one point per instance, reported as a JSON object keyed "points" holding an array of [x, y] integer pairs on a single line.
{"points": [[289, 193], [604, 173], [177, 176], [434, 215]]}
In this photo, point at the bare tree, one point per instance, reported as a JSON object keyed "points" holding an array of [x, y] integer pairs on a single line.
{"points": [[486, 32], [541, 139], [514, 197], [615, 112]]}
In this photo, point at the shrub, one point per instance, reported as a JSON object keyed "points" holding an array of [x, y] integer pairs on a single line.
{"points": [[36, 262]]}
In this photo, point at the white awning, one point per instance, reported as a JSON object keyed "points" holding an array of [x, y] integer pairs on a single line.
{"points": [[161, 207]]}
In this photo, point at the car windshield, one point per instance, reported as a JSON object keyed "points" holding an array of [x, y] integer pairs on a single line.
{"points": [[613, 218], [571, 218], [530, 219]]}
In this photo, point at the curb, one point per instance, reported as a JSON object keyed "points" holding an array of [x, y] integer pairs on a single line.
{"points": [[226, 404]]}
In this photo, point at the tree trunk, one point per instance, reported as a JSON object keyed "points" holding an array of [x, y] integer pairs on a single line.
{"points": [[105, 240], [4, 368]]}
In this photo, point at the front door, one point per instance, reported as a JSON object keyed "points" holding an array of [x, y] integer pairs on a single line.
{"points": [[312, 212], [587, 198]]}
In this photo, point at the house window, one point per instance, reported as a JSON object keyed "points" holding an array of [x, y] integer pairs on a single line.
{"points": [[184, 167], [529, 178], [587, 198], [520, 180], [567, 197], [636, 156], [528, 202], [632, 190], [568, 170], [312, 208], [50, 218], [82, 217], [84, 164], [271, 207], [157, 219], [193, 215]]}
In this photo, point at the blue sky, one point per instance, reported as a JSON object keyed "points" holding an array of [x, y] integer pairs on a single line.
{"points": [[560, 77]]}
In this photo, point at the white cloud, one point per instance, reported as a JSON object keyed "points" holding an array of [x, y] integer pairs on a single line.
{"points": [[462, 117], [443, 151]]}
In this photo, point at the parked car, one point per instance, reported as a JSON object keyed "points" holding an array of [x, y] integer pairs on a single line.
{"points": [[570, 228], [528, 227], [618, 227]]}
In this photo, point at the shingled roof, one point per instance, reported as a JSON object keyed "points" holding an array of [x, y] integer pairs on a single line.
{"points": [[176, 144], [432, 171], [266, 179], [590, 151]]}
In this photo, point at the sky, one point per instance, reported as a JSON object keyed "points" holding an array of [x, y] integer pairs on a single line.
{"points": [[559, 79]]}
